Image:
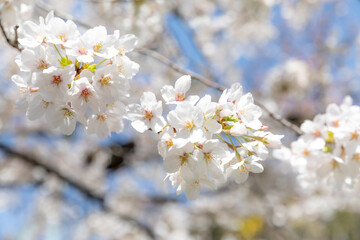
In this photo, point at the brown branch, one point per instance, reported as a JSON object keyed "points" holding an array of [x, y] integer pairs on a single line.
{"points": [[14, 43], [91, 193], [179, 69]]}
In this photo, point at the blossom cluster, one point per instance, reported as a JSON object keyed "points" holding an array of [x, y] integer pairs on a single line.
{"points": [[204, 143], [69, 77], [328, 153]]}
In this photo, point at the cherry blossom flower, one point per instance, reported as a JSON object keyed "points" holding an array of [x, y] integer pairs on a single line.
{"points": [[147, 115], [177, 94]]}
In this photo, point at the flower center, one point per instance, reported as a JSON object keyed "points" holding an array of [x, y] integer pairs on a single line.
{"points": [[306, 152], [56, 80], [45, 103], [82, 51], [244, 169], [209, 157], [354, 135], [43, 65], [336, 124], [105, 80], [121, 69], [334, 164], [98, 46], [148, 114], [180, 97], [169, 143], [184, 158], [189, 125], [62, 37], [85, 93], [101, 117], [67, 112]]}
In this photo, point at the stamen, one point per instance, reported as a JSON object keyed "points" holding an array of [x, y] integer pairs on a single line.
{"points": [[56, 80], [148, 114], [105, 80], [180, 97], [85, 93]]}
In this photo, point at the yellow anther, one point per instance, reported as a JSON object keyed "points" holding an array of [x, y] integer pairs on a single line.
{"points": [[121, 69], [306, 152], [56, 80], [62, 37], [102, 117], [67, 112], [85, 93], [189, 125], [184, 158], [180, 97], [42, 65], [82, 51], [209, 157], [354, 135], [105, 80], [148, 114], [98, 46], [45, 103], [169, 143], [334, 164]]}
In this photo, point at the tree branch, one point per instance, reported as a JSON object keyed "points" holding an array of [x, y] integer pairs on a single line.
{"points": [[91, 193], [14, 43]]}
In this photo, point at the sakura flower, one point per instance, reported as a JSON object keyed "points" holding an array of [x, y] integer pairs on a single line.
{"points": [[64, 118], [333, 167], [248, 112], [209, 109], [25, 90], [126, 68], [126, 43], [214, 153], [147, 114], [81, 50], [166, 142], [239, 168], [186, 119], [269, 139], [110, 121], [101, 43], [180, 157], [109, 85], [192, 189], [177, 94], [32, 34], [36, 59], [314, 129], [238, 129], [61, 32], [39, 107], [82, 93], [231, 95], [53, 83]]}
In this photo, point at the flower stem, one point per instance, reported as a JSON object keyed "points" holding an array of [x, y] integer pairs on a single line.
{"points": [[101, 62], [58, 51]]}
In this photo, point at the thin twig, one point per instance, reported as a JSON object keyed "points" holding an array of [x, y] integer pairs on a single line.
{"points": [[14, 43], [91, 193], [214, 85]]}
